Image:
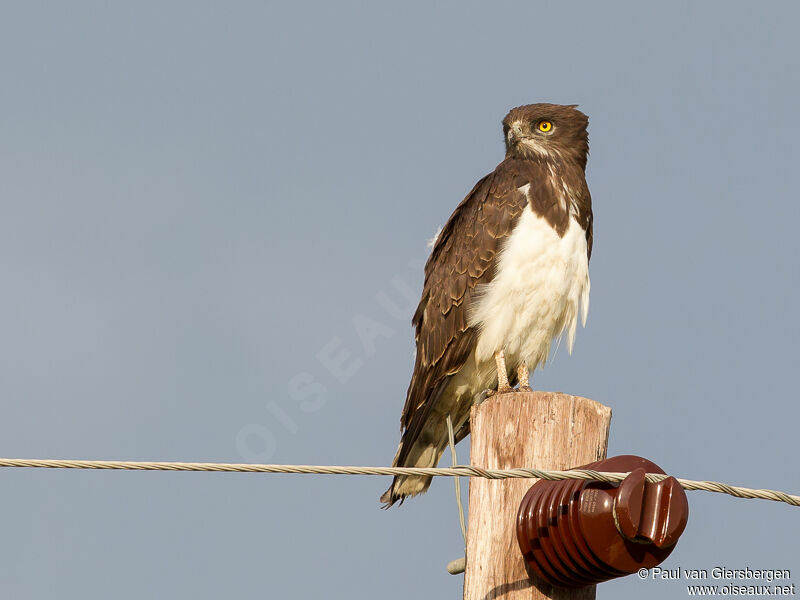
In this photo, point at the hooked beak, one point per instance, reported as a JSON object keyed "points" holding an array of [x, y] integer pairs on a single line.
{"points": [[514, 133]]}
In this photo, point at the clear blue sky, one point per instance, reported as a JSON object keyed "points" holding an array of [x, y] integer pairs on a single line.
{"points": [[202, 203]]}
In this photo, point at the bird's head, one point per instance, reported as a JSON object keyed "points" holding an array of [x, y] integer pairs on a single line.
{"points": [[547, 132]]}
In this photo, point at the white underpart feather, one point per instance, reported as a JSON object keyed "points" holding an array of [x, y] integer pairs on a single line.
{"points": [[540, 287], [541, 283], [432, 241]]}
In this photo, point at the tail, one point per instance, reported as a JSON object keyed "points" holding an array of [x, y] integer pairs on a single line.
{"points": [[424, 437], [422, 453]]}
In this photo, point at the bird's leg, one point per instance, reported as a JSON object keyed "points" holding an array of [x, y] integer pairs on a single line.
{"points": [[502, 374], [522, 375]]}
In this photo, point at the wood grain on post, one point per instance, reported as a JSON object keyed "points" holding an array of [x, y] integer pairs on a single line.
{"points": [[543, 430]]}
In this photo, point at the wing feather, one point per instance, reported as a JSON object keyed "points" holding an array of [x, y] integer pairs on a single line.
{"points": [[462, 258]]}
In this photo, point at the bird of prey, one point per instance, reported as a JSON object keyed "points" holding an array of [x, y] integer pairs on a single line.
{"points": [[508, 275]]}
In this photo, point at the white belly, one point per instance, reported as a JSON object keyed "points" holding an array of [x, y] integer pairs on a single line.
{"points": [[540, 285]]}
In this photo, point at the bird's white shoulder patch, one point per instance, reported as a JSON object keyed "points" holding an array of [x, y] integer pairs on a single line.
{"points": [[433, 240], [540, 286]]}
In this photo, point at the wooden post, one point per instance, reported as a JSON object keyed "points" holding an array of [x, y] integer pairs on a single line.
{"points": [[544, 430]]}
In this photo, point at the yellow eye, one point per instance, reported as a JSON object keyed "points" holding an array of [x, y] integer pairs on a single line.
{"points": [[545, 126]]}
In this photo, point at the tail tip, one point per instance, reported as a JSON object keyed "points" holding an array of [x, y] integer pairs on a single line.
{"points": [[404, 487], [389, 498]]}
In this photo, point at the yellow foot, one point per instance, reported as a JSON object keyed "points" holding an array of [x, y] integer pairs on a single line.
{"points": [[502, 374], [522, 376]]}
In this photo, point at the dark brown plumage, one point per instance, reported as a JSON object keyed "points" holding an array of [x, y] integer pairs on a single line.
{"points": [[543, 172]]}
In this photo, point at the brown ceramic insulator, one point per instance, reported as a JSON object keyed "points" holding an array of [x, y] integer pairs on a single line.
{"points": [[537, 537], [647, 511], [573, 523], [576, 533], [546, 521]]}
